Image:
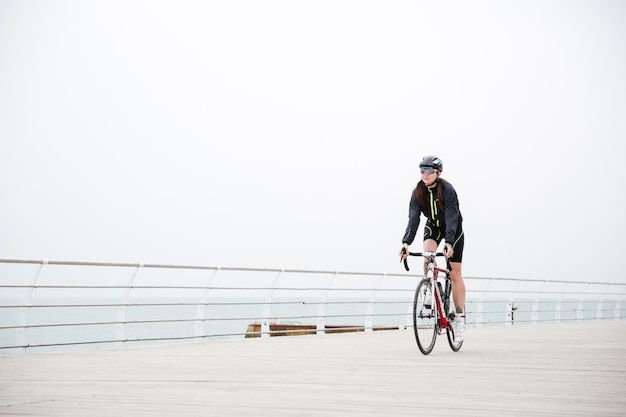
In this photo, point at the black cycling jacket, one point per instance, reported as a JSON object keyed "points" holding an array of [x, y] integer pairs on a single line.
{"points": [[449, 222]]}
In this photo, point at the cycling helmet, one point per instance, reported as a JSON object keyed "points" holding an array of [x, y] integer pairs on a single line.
{"points": [[432, 161]]}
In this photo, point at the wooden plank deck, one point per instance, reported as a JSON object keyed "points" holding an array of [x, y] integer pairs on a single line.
{"points": [[576, 369]]}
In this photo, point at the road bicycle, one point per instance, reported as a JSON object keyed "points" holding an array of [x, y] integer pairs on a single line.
{"points": [[434, 312]]}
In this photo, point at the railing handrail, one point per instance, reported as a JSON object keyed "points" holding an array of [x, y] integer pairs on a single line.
{"points": [[287, 270]]}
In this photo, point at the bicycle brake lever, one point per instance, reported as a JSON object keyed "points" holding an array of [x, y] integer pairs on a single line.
{"points": [[445, 252], [406, 264]]}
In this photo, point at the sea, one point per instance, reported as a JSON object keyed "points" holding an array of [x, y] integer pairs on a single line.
{"points": [[54, 324]]}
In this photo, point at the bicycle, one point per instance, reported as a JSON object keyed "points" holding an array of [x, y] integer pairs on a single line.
{"points": [[428, 322]]}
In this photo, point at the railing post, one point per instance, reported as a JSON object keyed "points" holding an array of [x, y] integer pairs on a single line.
{"points": [[20, 334], [510, 310], [534, 311], [198, 330], [480, 321], [409, 314], [508, 320], [581, 303], [534, 315], [321, 309], [120, 327], [559, 304], [599, 310], [479, 312], [618, 310], [368, 325], [265, 321]]}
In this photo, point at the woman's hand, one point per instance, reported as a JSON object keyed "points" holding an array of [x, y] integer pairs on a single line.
{"points": [[404, 252], [449, 251]]}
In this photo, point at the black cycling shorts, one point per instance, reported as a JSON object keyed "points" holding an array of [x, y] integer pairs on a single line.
{"points": [[433, 232]]}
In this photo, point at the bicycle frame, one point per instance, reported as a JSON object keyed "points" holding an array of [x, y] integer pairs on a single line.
{"points": [[438, 299]]}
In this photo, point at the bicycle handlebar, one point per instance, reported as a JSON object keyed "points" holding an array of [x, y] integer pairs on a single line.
{"points": [[426, 253], [406, 264]]}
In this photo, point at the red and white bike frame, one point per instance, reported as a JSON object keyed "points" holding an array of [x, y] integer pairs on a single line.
{"points": [[437, 299]]}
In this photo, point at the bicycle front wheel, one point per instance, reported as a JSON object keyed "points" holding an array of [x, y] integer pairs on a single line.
{"points": [[424, 317]]}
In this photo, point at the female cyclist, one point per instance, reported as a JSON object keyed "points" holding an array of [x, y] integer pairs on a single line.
{"points": [[437, 199]]}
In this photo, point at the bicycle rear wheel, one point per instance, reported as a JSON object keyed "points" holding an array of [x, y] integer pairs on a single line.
{"points": [[424, 317], [455, 345]]}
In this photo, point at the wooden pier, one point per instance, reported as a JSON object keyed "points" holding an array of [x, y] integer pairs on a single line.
{"points": [[575, 369]]}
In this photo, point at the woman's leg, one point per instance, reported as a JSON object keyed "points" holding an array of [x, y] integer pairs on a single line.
{"points": [[430, 245], [458, 286]]}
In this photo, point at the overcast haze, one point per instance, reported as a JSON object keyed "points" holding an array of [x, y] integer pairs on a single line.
{"points": [[288, 133]]}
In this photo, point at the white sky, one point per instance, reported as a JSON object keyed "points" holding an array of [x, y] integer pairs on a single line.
{"points": [[288, 133]]}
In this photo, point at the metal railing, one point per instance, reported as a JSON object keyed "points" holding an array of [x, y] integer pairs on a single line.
{"points": [[50, 305]]}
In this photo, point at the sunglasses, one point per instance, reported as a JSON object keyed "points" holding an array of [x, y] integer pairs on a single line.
{"points": [[427, 170]]}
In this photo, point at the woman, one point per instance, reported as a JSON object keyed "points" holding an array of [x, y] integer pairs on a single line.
{"points": [[437, 199]]}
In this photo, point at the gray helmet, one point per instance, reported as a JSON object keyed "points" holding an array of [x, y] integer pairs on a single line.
{"points": [[432, 161]]}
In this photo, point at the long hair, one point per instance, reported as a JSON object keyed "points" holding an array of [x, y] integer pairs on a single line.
{"points": [[420, 193]]}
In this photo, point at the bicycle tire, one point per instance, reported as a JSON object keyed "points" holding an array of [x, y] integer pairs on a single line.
{"points": [[425, 321], [451, 309]]}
